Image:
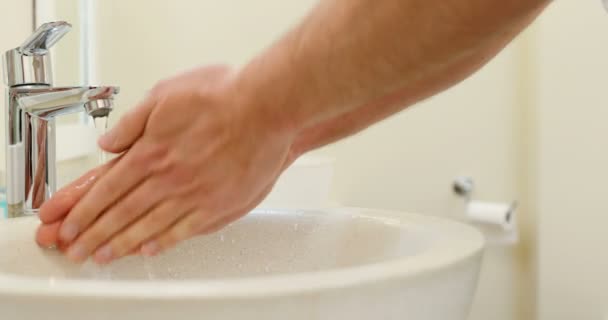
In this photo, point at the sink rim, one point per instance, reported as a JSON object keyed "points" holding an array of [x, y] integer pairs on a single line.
{"points": [[459, 242]]}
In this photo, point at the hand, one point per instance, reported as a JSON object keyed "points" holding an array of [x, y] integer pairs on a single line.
{"points": [[196, 157], [54, 211]]}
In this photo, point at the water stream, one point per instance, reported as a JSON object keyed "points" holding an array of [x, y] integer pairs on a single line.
{"points": [[101, 125]]}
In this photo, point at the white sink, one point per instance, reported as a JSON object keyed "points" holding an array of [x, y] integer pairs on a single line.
{"points": [[337, 264]]}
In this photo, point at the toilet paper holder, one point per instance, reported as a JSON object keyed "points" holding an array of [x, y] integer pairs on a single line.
{"points": [[464, 186], [496, 220]]}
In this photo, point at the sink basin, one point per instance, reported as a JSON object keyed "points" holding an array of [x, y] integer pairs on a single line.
{"points": [[344, 263]]}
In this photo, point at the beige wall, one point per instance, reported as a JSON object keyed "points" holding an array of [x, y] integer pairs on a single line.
{"points": [[143, 41], [573, 173]]}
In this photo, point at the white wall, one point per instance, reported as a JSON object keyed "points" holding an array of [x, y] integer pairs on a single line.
{"points": [[141, 42], [15, 27], [573, 172]]}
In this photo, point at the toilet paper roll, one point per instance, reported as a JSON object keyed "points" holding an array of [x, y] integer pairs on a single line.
{"points": [[498, 214], [497, 221]]}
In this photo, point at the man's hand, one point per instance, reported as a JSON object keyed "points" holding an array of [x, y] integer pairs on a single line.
{"points": [[196, 157]]}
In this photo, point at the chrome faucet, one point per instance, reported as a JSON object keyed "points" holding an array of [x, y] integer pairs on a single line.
{"points": [[33, 103]]}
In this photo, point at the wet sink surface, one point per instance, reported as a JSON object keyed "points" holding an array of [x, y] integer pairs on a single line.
{"points": [[276, 261]]}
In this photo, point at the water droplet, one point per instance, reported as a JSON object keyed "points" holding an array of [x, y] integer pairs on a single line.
{"points": [[149, 270]]}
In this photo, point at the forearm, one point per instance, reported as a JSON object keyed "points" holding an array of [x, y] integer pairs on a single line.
{"points": [[358, 119], [347, 53]]}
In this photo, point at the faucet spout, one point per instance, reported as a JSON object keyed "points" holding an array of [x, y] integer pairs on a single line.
{"points": [[50, 102]]}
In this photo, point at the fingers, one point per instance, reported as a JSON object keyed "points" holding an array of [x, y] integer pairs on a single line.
{"points": [[63, 200], [153, 223], [47, 234], [195, 224], [116, 218], [46, 237], [158, 229], [59, 205], [117, 182], [185, 228], [129, 128]]}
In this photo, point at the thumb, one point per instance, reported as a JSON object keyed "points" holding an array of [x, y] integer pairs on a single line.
{"points": [[128, 129]]}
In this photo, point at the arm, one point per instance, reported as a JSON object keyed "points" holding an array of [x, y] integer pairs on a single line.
{"points": [[205, 147], [352, 53], [358, 119]]}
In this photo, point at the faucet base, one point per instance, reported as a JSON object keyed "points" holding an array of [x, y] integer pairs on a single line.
{"points": [[16, 211]]}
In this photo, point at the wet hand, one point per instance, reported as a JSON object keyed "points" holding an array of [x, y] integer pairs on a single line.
{"points": [[196, 156]]}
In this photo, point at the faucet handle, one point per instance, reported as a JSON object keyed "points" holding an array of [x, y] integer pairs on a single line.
{"points": [[44, 38], [30, 64]]}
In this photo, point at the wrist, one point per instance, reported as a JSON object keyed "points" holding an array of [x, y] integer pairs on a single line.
{"points": [[261, 105], [271, 87]]}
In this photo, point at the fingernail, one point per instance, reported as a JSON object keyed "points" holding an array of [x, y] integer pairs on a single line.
{"points": [[46, 246], [68, 232], [104, 255], [76, 253], [150, 249]]}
